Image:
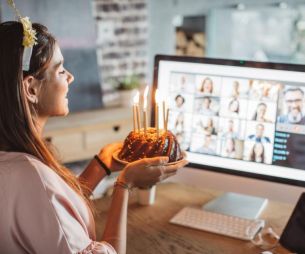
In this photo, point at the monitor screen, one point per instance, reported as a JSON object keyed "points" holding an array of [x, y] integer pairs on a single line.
{"points": [[244, 118]]}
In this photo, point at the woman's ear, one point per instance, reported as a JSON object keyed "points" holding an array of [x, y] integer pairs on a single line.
{"points": [[31, 89]]}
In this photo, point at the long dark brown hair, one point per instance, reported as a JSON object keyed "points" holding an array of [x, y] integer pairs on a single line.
{"points": [[18, 126], [252, 153]]}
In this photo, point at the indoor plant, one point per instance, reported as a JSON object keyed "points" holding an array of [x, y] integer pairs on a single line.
{"points": [[127, 88]]}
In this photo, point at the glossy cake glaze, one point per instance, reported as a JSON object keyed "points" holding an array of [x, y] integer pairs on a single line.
{"points": [[138, 145]]}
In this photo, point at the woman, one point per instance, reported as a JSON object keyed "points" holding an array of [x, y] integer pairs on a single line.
{"points": [[230, 148], [206, 86], [233, 108], [257, 153], [46, 209], [179, 123], [235, 89], [260, 113], [179, 100], [208, 128]]}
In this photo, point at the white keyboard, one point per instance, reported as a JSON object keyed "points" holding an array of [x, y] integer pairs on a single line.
{"points": [[240, 228]]}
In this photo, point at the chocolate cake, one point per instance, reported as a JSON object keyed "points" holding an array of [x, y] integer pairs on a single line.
{"points": [[139, 145]]}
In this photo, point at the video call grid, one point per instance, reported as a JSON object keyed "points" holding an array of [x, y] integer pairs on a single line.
{"points": [[222, 146]]}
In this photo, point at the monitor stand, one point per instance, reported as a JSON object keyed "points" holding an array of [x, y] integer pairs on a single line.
{"points": [[238, 205]]}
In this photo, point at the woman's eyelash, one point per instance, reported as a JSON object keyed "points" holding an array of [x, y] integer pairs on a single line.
{"points": [[62, 72]]}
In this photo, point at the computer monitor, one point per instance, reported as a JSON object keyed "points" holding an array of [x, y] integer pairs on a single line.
{"points": [[238, 117]]}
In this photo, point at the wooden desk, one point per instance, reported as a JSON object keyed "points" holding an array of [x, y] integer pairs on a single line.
{"points": [[149, 230]]}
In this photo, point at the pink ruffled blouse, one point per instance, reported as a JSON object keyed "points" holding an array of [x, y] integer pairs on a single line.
{"points": [[40, 213]]}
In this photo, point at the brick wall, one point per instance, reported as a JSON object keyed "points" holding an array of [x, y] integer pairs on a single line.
{"points": [[122, 41]]}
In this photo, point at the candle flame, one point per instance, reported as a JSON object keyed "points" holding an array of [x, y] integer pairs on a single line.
{"points": [[145, 96], [136, 98]]}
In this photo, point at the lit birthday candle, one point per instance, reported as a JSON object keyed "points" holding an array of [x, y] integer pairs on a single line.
{"points": [[157, 111], [145, 108], [136, 112]]}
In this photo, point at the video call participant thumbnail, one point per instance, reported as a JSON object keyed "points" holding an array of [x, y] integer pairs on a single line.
{"points": [[257, 153], [179, 100], [230, 130], [294, 103], [206, 86], [229, 148], [206, 107], [208, 128], [207, 146], [260, 113], [259, 137]]}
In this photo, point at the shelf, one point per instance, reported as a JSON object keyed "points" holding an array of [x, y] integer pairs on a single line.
{"points": [[79, 136]]}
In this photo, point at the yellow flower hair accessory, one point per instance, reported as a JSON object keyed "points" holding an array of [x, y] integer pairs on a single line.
{"points": [[29, 36]]}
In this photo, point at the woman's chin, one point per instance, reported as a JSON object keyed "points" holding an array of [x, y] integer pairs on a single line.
{"points": [[65, 111], [62, 113]]}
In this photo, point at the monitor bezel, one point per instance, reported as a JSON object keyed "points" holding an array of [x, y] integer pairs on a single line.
{"points": [[229, 62]]}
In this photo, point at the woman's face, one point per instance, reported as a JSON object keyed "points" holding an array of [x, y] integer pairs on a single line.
{"points": [[261, 110], [207, 86], [52, 97], [179, 101], [234, 106], [266, 90]]}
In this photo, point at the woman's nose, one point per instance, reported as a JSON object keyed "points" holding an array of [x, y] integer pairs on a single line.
{"points": [[70, 78]]}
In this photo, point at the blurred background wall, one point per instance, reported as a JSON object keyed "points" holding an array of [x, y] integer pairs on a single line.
{"points": [[104, 40], [72, 23], [262, 30]]}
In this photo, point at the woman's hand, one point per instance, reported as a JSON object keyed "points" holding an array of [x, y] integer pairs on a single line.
{"points": [[147, 172], [106, 156]]}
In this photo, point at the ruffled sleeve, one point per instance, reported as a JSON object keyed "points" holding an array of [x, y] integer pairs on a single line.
{"points": [[98, 247]]}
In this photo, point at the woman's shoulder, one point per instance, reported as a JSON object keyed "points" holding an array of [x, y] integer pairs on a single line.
{"points": [[32, 190], [24, 179], [17, 161], [14, 160], [26, 172], [25, 175], [24, 166]]}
